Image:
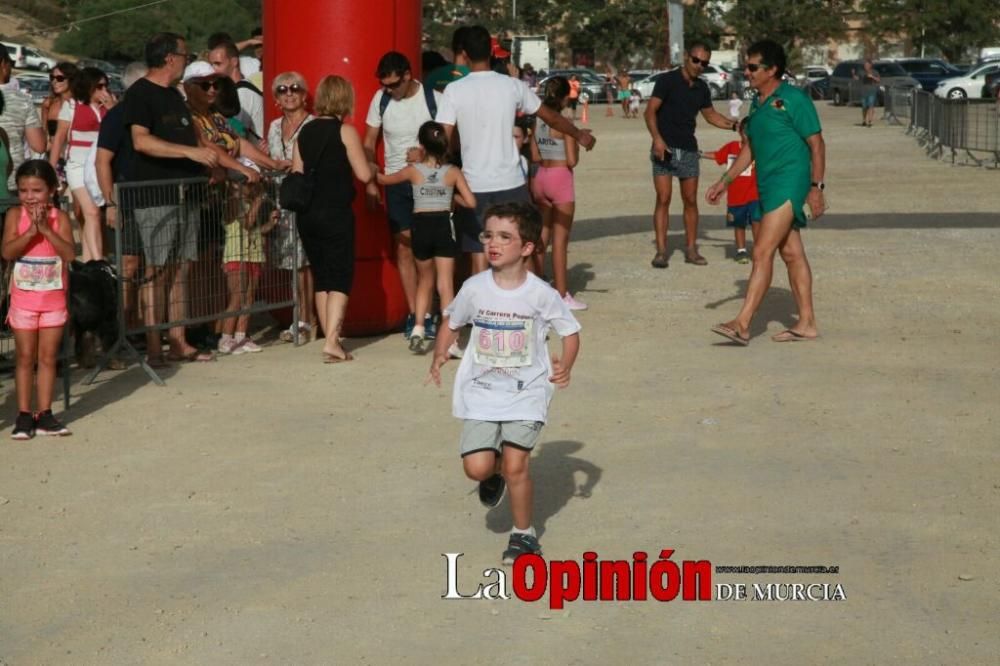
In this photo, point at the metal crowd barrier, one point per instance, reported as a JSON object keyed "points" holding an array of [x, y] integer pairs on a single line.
{"points": [[191, 252], [898, 105], [957, 129]]}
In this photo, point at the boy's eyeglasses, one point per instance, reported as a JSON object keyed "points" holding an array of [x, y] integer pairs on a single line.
{"points": [[293, 89], [207, 85], [502, 237]]}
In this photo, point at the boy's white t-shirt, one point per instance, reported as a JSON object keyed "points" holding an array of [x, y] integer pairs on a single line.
{"points": [[483, 106], [504, 374], [400, 124]]}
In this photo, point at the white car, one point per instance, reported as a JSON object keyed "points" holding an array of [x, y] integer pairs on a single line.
{"points": [[969, 85], [646, 85], [33, 59]]}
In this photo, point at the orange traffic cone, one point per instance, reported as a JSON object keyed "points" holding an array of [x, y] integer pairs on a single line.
{"points": [[586, 118]]}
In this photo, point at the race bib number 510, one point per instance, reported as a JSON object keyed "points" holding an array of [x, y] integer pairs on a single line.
{"points": [[502, 343]]}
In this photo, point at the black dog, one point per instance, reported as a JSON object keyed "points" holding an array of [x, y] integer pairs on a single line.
{"points": [[93, 308]]}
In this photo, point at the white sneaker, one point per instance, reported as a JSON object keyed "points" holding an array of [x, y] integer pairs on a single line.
{"points": [[572, 303], [455, 351], [226, 346], [251, 347]]}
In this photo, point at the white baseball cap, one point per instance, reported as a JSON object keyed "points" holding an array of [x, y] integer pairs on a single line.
{"points": [[199, 69]]}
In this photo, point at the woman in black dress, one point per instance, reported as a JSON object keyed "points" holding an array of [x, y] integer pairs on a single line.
{"points": [[332, 151]]}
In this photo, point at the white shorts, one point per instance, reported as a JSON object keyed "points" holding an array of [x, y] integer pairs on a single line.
{"points": [[74, 175]]}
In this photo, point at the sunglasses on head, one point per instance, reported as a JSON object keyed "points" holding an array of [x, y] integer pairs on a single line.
{"points": [[209, 85], [294, 89], [698, 61], [753, 66], [58, 78]]}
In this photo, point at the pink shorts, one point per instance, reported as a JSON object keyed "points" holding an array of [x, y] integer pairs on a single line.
{"points": [[553, 185], [253, 268], [32, 320]]}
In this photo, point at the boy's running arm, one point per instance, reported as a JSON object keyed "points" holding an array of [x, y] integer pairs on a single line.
{"points": [[561, 367], [445, 339]]}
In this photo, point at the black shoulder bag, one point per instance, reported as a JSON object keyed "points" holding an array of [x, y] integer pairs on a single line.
{"points": [[296, 191]]}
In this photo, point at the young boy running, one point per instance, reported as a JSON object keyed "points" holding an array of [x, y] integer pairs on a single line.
{"points": [[743, 206], [506, 379]]}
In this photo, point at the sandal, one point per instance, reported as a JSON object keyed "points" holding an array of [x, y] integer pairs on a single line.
{"points": [[730, 334], [660, 260], [330, 358], [692, 257], [192, 357]]}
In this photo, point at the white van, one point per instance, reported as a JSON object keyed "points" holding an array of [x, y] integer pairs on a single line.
{"points": [[28, 57]]}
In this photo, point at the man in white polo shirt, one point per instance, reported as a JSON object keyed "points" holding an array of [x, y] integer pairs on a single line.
{"points": [[397, 110], [483, 106]]}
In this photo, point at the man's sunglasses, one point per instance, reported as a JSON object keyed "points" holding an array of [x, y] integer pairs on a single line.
{"points": [[294, 89], [394, 85], [58, 78], [753, 66], [207, 85], [698, 61]]}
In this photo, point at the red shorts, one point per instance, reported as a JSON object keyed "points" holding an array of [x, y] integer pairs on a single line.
{"points": [[32, 320], [253, 268]]}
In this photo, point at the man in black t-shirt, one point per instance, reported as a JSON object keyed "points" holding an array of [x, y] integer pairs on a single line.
{"points": [[165, 145], [671, 113]]}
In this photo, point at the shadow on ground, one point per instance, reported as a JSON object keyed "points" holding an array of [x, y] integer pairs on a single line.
{"points": [[555, 472]]}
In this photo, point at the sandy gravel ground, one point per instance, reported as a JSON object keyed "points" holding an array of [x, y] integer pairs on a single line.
{"points": [[272, 509]]}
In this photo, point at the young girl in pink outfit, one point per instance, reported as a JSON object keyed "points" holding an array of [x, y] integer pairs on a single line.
{"points": [[37, 236]]}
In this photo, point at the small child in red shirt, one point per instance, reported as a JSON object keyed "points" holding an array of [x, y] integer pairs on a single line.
{"points": [[742, 204]]}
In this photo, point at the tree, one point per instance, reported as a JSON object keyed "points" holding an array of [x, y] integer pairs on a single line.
{"points": [[793, 24], [122, 35], [951, 26]]}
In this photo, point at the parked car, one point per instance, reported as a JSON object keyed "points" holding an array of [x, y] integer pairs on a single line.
{"points": [[28, 57], [717, 79], [967, 85], [595, 85], [992, 85], [36, 86], [812, 73], [891, 73], [818, 88], [928, 71], [645, 87], [641, 81]]}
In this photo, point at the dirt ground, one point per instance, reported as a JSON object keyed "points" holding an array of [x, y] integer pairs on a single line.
{"points": [[272, 509]]}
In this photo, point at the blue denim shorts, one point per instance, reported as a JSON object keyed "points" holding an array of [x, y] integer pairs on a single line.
{"points": [[741, 217], [682, 164]]}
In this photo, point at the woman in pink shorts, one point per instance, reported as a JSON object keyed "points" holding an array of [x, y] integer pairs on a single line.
{"points": [[37, 236], [552, 186]]}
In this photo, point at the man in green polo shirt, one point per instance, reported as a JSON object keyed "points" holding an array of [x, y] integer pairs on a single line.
{"points": [[786, 145]]}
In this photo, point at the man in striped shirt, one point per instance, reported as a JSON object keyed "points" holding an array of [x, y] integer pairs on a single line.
{"points": [[19, 118]]}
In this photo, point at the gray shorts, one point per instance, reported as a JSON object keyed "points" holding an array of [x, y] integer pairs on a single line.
{"points": [[490, 435], [169, 233], [468, 225], [682, 163]]}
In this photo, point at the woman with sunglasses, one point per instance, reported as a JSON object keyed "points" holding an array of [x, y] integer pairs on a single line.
{"points": [[290, 93], [79, 123], [59, 86], [785, 143]]}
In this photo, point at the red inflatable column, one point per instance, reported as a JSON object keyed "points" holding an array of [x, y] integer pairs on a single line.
{"points": [[347, 37]]}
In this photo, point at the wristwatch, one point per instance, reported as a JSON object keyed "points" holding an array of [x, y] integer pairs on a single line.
{"points": [[820, 185]]}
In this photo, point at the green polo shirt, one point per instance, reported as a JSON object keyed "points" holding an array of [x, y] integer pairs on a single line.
{"points": [[778, 128]]}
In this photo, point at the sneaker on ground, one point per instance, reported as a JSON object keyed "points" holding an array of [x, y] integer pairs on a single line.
{"points": [[742, 257], [520, 544], [416, 344], [411, 321], [227, 345], [247, 346], [46, 424], [572, 303], [430, 328], [492, 490], [24, 426], [455, 351]]}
